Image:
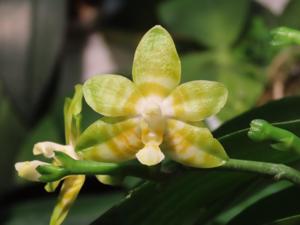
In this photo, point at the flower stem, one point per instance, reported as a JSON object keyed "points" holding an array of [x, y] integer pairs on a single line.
{"points": [[278, 171], [85, 167]]}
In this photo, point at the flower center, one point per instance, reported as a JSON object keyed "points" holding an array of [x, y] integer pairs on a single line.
{"points": [[152, 127], [153, 118]]}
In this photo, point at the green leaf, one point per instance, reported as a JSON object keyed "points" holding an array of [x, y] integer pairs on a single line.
{"points": [[290, 16], [191, 197], [274, 207], [292, 220], [215, 23], [248, 196], [29, 49]]}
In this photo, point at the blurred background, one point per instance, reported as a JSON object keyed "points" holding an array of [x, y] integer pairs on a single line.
{"points": [[47, 46]]}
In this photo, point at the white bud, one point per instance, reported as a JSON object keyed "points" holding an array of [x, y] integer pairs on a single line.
{"points": [[28, 171]]}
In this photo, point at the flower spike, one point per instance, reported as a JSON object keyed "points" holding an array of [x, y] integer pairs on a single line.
{"points": [[145, 119]]}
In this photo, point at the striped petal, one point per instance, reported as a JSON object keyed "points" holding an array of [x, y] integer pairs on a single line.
{"points": [[68, 194], [110, 141], [195, 100], [193, 146], [111, 95], [156, 66], [72, 110]]}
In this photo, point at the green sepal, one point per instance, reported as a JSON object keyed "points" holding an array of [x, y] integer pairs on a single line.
{"points": [[72, 116]]}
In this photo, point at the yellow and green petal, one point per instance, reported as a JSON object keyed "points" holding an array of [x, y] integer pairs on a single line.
{"points": [[72, 110], [195, 100], [110, 141], [68, 194], [156, 66], [193, 146], [110, 180], [112, 95]]}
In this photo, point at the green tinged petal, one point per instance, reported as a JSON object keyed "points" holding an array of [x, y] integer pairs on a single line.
{"points": [[110, 141], [72, 116], [68, 194], [195, 100], [193, 146], [110, 180], [156, 66], [111, 95]]}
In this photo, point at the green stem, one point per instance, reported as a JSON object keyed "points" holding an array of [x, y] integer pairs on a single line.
{"points": [[278, 171], [85, 167]]}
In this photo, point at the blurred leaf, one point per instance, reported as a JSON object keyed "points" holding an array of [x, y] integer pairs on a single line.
{"points": [[247, 197], [241, 79], [38, 211], [255, 44], [215, 23], [290, 16], [46, 130], [293, 220], [29, 49], [191, 196], [12, 133], [285, 36]]}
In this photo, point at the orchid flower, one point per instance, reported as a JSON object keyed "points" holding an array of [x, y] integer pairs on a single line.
{"points": [[148, 119], [71, 184], [153, 116]]}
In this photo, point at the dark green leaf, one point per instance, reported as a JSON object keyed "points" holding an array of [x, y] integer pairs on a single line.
{"points": [[293, 220], [274, 207], [275, 111], [38, 211]]}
